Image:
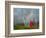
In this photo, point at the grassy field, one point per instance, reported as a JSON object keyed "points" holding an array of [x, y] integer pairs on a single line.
{"points": [[22, 26]]}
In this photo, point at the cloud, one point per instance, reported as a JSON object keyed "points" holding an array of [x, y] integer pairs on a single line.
{"points": [[21, 12]]}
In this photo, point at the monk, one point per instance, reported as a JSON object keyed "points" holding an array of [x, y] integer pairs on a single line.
{"points": [[31, 23]]}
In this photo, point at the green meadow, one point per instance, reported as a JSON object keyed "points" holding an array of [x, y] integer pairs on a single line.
{"points": [[22, 26]]}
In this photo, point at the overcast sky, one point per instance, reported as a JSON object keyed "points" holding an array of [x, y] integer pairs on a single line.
{"points": [[19, 13]]}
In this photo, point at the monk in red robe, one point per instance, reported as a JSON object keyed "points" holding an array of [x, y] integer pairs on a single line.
{"points": [[31, 24]]}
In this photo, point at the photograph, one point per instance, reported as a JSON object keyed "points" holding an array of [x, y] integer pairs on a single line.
{"points": [[26, 18]]}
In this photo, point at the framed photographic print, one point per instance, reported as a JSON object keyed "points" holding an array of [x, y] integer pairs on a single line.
{"points": [[24, 18]]}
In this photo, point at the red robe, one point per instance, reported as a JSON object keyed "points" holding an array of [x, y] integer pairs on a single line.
{"points": [[30, 23]]}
